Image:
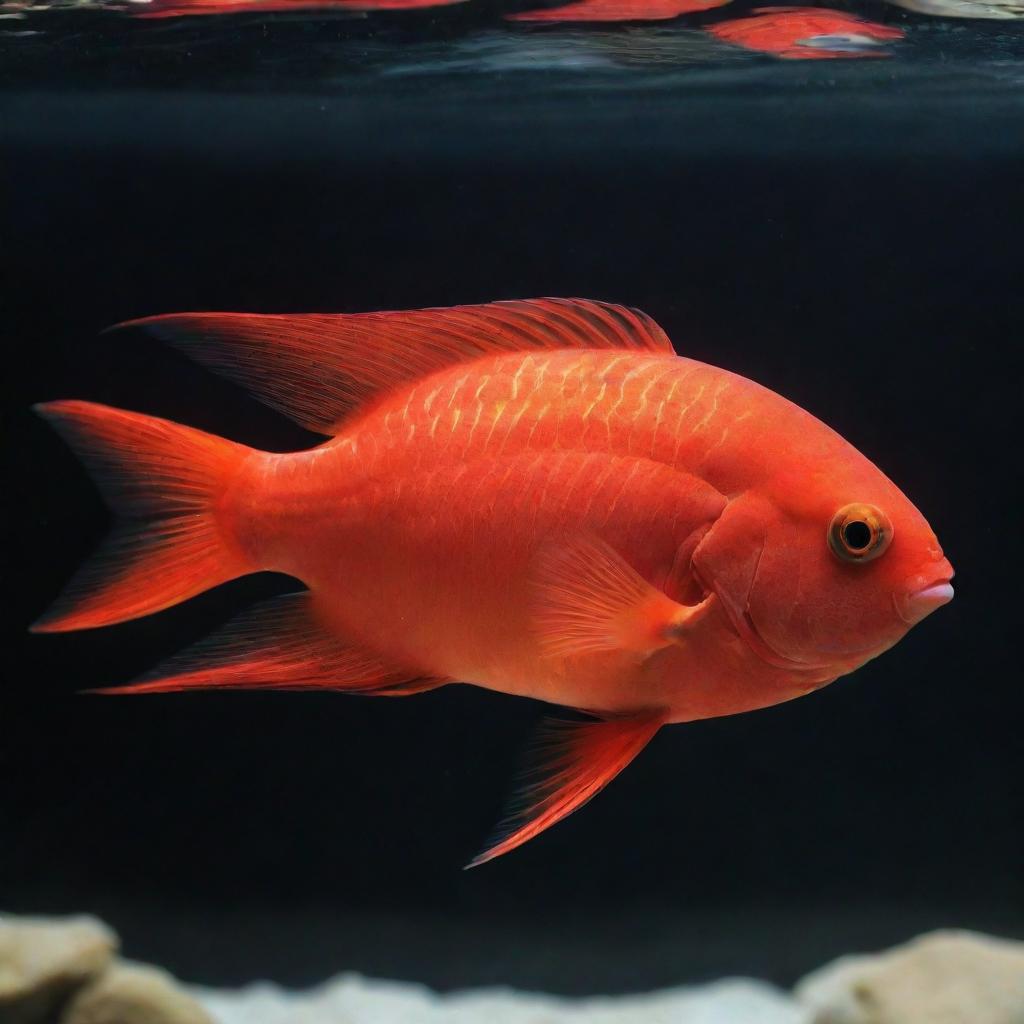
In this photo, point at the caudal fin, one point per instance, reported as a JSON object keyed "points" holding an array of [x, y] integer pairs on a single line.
{"points": [[166, 483]]}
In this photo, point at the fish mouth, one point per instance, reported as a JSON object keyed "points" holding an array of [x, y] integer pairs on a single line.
{"points": [[920, 603]]}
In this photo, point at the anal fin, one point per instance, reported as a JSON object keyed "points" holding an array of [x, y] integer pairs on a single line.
{"points": [[569, 764], [278, 644]]}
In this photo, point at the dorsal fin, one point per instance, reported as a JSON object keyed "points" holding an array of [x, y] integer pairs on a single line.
{"points": [[315, 368]]}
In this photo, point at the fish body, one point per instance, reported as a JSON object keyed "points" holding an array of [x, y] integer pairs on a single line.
{"points": [[420, 526], [539, 498]]}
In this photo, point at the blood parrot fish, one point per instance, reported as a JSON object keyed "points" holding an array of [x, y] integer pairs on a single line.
{"points": [[536, 497], [807, 33]]}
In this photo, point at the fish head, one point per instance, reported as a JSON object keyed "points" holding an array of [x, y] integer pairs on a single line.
{"points": [[821, 569]]}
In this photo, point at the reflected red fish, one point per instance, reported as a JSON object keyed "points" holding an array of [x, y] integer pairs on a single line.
{"points": [[618, 10], [538, 497], [189, 8], [807, 33]]}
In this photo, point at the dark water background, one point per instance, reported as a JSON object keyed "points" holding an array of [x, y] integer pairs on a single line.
{"points": [[847, 233]]}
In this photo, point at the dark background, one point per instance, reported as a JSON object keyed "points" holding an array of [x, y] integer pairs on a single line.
{"points": [[861, 257]]}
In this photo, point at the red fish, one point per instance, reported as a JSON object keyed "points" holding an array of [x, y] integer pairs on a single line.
{"points": [[617, 10], [188, 8], [806, 33], [537, 497]]}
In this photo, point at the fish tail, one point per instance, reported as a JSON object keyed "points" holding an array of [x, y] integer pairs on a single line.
{"points": [[171, 488]]}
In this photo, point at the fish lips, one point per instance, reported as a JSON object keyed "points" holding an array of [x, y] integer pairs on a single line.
{"points": [[918, 604]]}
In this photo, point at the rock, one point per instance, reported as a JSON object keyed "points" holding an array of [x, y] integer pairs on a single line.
{"points": [[946, 977], [43, 960], [991, 10], [351, 999], [134, 994]]}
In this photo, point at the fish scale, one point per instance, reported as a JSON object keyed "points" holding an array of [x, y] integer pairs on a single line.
{"points": [[668, 409]]}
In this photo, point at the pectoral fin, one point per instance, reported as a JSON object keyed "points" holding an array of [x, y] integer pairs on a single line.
{"points": [[588, 598], [570, 763]]}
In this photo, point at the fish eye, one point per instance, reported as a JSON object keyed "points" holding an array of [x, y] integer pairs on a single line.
{"points": [[859, 532]]}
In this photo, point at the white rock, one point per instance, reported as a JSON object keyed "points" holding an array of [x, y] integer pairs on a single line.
{"points": [[991, 10], [134, 994], [946, 977], [43, 959], [351, 999]]}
